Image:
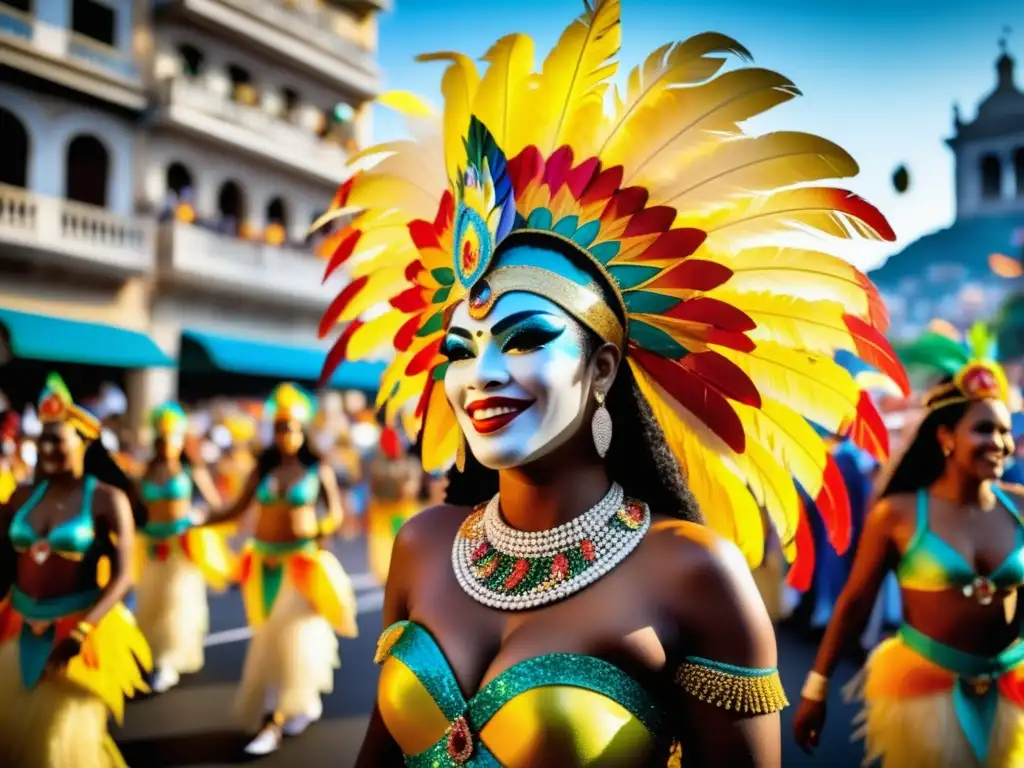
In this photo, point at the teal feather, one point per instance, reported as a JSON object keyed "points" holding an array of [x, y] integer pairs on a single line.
{"points": [[631, 276], [539, 219], [649, 303], [586, 234], [605, 252], [567, 226], [656, 340]]}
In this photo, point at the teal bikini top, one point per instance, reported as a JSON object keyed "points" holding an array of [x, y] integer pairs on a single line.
{"points": [[70, 539], [304, 493], [178, 488], [931, 565]]}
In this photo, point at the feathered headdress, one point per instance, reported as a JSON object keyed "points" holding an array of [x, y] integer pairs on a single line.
{"points": [[678, 213], [971, 364], [169, 419], [56, 404], [289, 401]]}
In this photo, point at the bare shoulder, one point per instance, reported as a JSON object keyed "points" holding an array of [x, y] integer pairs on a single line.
{"points": [[712, 596], [431, 530], [109, 499], [1015, 491]]}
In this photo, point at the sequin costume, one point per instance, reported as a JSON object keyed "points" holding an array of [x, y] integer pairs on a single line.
{"points": [[297, 599], [60, 719], [177, 562], [927, 703], [662, 201]]}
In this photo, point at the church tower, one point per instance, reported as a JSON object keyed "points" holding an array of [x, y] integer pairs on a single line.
{"points": [[989, 150]]}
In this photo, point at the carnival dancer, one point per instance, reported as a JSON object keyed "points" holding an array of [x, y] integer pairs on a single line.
{"points": [[70, 651], [232, 469], [177, 559], [395, 483], [948, 690], [297, 596], [574, 308], [10, 476]]}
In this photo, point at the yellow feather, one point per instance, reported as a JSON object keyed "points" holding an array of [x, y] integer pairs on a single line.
{"points": [[725, 502], [376, 335], [746, 165], [440, 432], [816, 326], [574, 75], [772, 487], [684, 118], [391, 376], [813, 385], [501, 99], [805, 274], [376, 191], [406, 103], [670, 66], [459, 86], [409, 390], [381, 286], [789, 438]]}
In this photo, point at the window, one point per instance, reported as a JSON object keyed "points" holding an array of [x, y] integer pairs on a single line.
{"points": [[95, 20], [991, 178], [191, 60], [14, 158], [291, 101], [88, 167], [231, 206], [277, 222]]}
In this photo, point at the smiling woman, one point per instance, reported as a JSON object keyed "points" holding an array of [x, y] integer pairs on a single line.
{"points": [[574, 322]]}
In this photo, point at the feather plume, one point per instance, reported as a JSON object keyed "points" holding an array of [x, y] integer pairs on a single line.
{"points": [[406, 103], [504, 90], [747, 165], [459, 86], [569, 96]]}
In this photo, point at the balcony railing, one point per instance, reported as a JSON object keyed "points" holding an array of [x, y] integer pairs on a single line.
{"points": [[324, 27], [205, 259], [74, 233], [198, 108]]}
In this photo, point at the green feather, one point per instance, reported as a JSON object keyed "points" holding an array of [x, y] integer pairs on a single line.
{"points": [[649, 303], [444, 275], [981, 342], [936, 352], [439, 372], [433, 325], [55, 385], [441, 294], [656, 340], [631, 276]]}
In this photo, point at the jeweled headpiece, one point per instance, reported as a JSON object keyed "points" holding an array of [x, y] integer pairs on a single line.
{"points": [[57, 405], [287, 402], [169, 420], [668, 224]]}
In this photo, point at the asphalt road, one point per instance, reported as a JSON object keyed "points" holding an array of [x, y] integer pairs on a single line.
{"points": [[192, 725]]}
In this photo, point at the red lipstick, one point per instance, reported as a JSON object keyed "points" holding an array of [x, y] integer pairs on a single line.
{"points": [[494, 413]]}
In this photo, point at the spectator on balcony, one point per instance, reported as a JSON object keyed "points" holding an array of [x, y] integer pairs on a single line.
{"points": [[275, 234], [184, 210]]}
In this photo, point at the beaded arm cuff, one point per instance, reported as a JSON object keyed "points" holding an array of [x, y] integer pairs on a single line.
{"points": [[740, 689]]}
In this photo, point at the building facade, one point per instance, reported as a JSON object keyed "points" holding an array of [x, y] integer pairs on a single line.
{"points": [[946, 274], [169, 159]]}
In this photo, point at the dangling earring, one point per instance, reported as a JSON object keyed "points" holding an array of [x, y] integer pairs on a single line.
{"points": [[460, 453], [947, 451], [601, 426]]}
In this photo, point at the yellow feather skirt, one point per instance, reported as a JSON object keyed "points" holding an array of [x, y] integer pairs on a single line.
{"points": [[297, 604], [909, 719], [62, 720], [170, 597], [383, 521]]}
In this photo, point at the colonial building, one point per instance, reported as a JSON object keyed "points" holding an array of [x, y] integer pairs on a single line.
{"points": [[946, 274], [162, 162]]}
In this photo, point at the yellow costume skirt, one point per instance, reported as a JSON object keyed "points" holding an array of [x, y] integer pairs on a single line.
{"points": [[927, 705], [384, 518], [170, 597], [60, 720], [297, 599]]}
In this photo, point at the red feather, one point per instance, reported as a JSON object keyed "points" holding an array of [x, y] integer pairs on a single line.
{"points": [[730, 340], [713, 312], [833, 504], [694, 394], [724, 375], [390, 444], [873, 349], [691, 275], [421, 405], [342, 253], [342, 300], [405, 335], [338, 352], [557, 168], [603, 186], [409, 300], [525, 167], [422, 359], [579, 178], [340, 198], [445, 212], [801, 573], [674, 244], [868, 430], [625, 202], [424, 234], [414, 270], [650, 220], [878, 313]]}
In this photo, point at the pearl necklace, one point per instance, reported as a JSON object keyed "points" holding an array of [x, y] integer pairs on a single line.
{"points": [[516, 570]]}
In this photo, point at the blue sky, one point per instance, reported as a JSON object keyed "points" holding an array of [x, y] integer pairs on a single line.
{"points": [[878, 77]]}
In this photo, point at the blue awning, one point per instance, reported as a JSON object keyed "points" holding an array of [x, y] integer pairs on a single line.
{"points": [[264, 358], [56, 339]]}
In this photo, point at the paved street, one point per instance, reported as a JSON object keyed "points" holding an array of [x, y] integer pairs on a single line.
{"points": [[192, 725]]}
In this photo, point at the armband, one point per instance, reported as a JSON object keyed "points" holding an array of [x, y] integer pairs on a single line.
{"points": [[739, 689], [328, 526], [80, 632]]}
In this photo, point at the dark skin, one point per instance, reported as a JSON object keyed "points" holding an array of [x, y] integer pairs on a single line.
{"points": [[62, 452], [168, 465], [698, 599], [963, 512]]}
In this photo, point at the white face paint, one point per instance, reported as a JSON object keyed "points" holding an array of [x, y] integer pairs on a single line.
{"points": [[518, 378]]}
